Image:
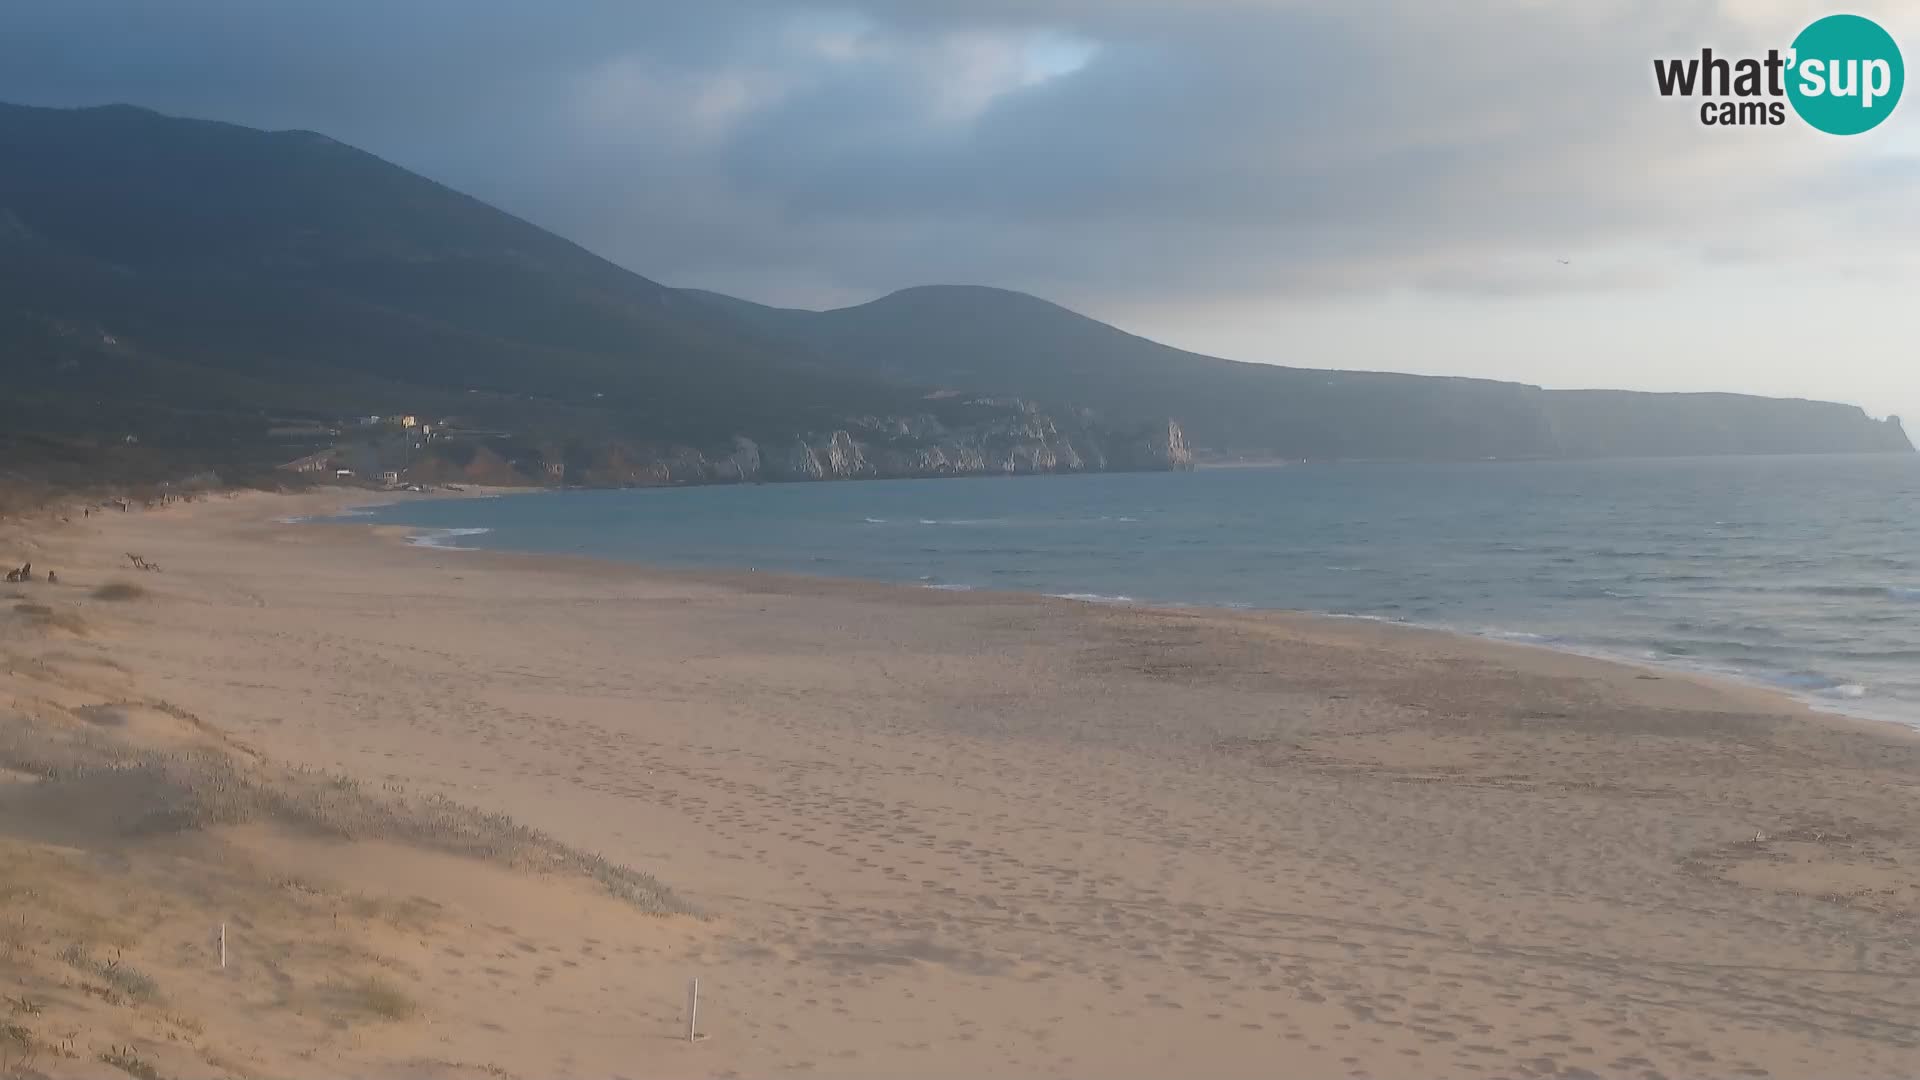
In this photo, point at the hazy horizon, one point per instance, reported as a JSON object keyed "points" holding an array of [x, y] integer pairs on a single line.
{"points": [[1497, 193], [1119, 323]]}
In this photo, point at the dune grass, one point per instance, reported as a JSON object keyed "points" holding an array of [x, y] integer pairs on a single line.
{"points": [[18, 1048], [128, 1061], [121, 977], [45, 616], [182, 790], [380, 997]]}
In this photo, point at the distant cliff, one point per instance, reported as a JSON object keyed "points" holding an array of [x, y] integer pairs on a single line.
{"points": [[997, 438], [1000, 342], [1612, 423]]}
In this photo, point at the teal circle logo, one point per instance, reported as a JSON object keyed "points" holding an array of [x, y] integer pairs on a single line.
{"points": [[1847, 75]]}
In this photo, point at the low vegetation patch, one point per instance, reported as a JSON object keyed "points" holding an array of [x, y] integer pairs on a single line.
{"points": [[119, 976], [120, 590], [415, 914], [18, 1048], [127, 1061], [46, 616], [185, 789], [382, 998]]}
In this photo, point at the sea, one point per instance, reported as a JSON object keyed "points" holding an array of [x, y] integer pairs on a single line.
{"points": [[1798, 573]]}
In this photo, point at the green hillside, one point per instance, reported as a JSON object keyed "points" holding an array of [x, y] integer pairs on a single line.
{"points": [[191, 288], [183, 280]]}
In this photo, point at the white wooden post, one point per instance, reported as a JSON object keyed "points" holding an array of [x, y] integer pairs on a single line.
{"points": [[223, 946], [693, 1008]]}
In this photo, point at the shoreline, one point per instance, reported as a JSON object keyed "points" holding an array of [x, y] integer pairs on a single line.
{"points": [[962, 834], [341, 515], [1812, 700]]}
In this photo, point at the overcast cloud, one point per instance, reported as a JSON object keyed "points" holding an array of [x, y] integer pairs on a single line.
{"points": [[1358, 183]]}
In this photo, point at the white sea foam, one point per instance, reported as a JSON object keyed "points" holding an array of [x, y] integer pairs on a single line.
{"points": [[1819, 691], [442, 539], [946, 587], [349, 512], [1093, 598], [1510, 635]]}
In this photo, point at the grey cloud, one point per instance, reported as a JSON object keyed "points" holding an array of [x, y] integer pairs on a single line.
{"points": [[1208, 147]]}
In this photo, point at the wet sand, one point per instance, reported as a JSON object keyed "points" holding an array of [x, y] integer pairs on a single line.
{"points": [[969, 834]]}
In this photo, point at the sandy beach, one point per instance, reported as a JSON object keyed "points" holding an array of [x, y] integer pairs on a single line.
{"points": [[945, 834]]}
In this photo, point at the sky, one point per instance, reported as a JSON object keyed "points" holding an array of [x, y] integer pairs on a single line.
{"points": [[1486, 188]]}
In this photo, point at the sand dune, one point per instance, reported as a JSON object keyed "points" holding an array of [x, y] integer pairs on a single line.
{"points": [[966, 834]]}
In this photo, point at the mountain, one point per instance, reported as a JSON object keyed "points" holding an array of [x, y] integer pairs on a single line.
{"points": [[181, 294], [1005, 342], [194, 285]]}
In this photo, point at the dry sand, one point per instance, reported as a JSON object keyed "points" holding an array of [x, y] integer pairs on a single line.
{"points": [[971, 834]]}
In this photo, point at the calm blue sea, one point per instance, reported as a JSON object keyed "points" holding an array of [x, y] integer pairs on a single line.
{"points": [[1796, 572]]}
